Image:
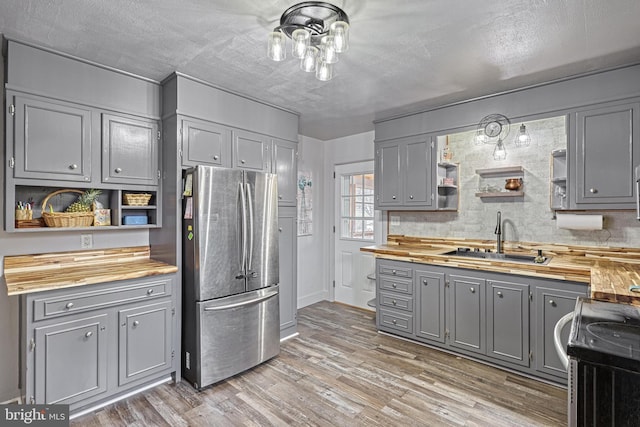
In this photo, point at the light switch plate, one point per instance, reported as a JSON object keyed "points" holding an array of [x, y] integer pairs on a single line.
{"points": [[86, 241], [395, 220]]}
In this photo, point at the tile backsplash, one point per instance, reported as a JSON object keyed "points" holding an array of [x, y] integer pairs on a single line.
{"points": [[527, 218]]}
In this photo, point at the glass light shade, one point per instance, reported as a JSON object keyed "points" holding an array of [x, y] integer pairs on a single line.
{"points": [[480, 138], [328, 49], [276, 47], [340, 31], [301, 39], [324, 70], [500, 151], [523, 138], [308, 61]]}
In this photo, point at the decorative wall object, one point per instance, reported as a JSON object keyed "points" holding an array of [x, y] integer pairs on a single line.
{"points": [[305, 204]]}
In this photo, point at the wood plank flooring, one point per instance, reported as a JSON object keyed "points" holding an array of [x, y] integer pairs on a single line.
{"points": [[340, 372]]}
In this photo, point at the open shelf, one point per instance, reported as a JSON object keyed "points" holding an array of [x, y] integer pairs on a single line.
{"points": [[502, 194], [508, 170]]}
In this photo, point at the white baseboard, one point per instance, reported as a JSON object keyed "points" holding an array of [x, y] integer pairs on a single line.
{"points": [[14, 400], [313, 298]]}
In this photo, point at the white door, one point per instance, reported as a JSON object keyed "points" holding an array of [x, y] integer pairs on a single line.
{"points": [[357, 224]]}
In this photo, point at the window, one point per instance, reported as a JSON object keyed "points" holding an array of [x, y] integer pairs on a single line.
{"points": [[356, 212]]}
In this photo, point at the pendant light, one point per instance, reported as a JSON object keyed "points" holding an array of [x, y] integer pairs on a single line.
{"points": [[523, 138]]}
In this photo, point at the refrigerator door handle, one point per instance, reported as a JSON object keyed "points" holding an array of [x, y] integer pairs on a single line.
{"points": [[250, 231], [256, 300], [243, 232], [637, 198]]}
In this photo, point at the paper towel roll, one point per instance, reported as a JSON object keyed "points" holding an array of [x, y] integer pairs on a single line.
{"points": [[579, 222]]}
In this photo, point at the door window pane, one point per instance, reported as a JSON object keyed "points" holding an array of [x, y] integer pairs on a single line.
{"points": [[356, 209]]}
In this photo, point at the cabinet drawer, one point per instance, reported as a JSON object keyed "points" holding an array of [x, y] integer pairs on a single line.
{"points": [[399, 302], [394, 270], [399, 322], [49, 307], [396, 285]]}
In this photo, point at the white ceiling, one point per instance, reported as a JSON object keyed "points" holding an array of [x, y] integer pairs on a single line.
{"points": [[405, 54]]}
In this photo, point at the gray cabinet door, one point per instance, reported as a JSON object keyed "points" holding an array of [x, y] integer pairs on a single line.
{"points": [[418, 188], [508, 321], [129, 150], [205, 143], [467, 315], [551, 305], [430, 312], [387, 175], [71, 360], [144, 347], [51, 140], [285, 165], [287, 253], [607, 150], [251, 151]]}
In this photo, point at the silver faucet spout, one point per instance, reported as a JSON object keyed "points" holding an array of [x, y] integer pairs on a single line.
{"points": [[498, 233]]}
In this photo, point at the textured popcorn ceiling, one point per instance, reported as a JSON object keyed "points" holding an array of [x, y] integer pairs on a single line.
{"points": [[404, 55]]}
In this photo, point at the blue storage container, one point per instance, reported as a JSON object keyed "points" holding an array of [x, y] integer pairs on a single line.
{"points": [[135, 220]]}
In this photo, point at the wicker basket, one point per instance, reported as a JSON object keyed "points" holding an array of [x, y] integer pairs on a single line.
{"points": [[136, 199], [65, 219]]}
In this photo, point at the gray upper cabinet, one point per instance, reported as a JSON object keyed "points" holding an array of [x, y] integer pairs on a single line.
{"points": [[52, 140], [285, 165], [205, 143], [430, 314], [508, 321], [607, 148], [251, 151], [129, 150], [70, 360], [467, 321], [404, 171]]}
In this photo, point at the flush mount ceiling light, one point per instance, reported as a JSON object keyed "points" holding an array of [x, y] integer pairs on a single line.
{"points": [[318, 31]]}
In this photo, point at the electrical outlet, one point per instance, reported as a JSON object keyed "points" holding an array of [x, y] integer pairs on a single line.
{"points": [[395, 220], [86, 241]]}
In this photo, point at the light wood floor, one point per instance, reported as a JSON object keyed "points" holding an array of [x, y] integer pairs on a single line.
{"points": [[340, 372]]}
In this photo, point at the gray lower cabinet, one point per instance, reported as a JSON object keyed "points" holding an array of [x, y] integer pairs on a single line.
{"points": [[251, 151], [430, 305], [285, 165], [467, 315], [287, 249], [508, 321], [404, 171], [205, 143], [51, 139], [85, 345], [504, 319], [129, 150], [607, 149]]}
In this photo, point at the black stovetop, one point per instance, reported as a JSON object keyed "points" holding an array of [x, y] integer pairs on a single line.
{"points": [[606, 333]]}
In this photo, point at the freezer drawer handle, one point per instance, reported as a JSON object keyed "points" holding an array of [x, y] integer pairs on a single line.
{"points": [[243, 303]]}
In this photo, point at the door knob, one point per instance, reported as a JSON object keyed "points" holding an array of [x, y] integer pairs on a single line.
{"points": [[149, 291], [424, 282], [242, 161], [393, 302], [393, 285], [500, 294], [411, 197], [552, 302], [393, 197]]}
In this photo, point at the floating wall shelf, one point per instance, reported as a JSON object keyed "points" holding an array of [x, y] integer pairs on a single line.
{"points": [[509, 170], [502, 194]]}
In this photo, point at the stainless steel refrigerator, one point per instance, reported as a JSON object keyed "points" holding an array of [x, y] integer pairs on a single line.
{"points": [[231, 316]]}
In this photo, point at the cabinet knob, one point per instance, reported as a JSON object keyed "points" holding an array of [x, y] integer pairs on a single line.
{"points": [[118, 170], [279, 228], [500, 294], [394, 321], [393, 272], [88, 334], [215, 157], [393, 285], [73, 166], [69, 305], [242, 161], [136, 323], [149, 291], [552, 302], [393, 197], [424, 282], [472, 290], [394, 302], [593, 190], [279, 197], [411, 197]]}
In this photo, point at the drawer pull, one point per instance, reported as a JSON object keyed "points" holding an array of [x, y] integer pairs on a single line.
{"points": [[472, 290], [149, 291], [393, 272], [73, 166], [88, 334], [135, 323], [118, 170], [394, 321], [393, 285], [411, 197], [215, 157], [500, 294], [242, 161], [394, 302], [69, 305], [552, 302], [593, 190], [393, 197]]}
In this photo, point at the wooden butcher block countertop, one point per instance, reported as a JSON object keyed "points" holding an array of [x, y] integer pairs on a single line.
{"points": [[43, 272], [609, 271]]}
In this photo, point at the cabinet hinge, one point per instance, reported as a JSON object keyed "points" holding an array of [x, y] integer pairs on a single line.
{"points": [[180, 130], [12, 162], [446, 333], [334, 175], [432, 144], [180, 153], [158, 173], [446, 283], [432, 196], [158, 135], [173, 311], [334, 283], [12, 110], [32, 344], [530, 356], [530, 296], [173, 354]]}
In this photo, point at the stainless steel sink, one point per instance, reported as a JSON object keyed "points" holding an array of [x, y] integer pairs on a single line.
{"points": [[525, 259]]}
